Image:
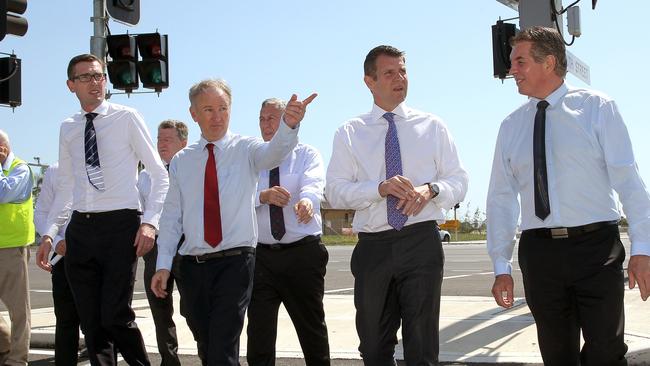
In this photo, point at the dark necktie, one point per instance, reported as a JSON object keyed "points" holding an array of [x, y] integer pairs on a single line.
{"points": [[542, 205], [93, 168], [211, 209], [393, 157], [275, 212]]}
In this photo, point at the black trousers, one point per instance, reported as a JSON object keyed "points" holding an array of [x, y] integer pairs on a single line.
{"points": [[576, 284], [398, 277], [100, 266], [294, 276], [162, 310], [66, 338], [214, 298]]}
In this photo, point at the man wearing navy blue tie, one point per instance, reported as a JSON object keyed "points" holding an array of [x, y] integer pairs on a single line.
{"points": [[290, 260], [558, 160], [399, 169], [100, 147]]}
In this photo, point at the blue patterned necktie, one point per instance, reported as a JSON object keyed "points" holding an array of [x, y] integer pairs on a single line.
{"points": [[396, 218], [93, 169], [275, 212]]}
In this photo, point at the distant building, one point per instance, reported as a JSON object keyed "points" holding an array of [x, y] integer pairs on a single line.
{"points": [[335, 221]]}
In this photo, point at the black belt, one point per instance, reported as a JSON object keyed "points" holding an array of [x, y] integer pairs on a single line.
{"points": [[220, 254], [307, 239], [104, 214], [569, 232]]}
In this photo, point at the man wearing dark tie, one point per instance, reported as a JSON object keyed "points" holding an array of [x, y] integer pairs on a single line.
{"points": [[211, 200], [399, 169], [66, 338], [560, 157], [99, 150], [172, 137], [290, 260]]}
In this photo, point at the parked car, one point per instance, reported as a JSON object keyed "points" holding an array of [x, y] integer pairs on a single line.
{"points": [[445, 236]]}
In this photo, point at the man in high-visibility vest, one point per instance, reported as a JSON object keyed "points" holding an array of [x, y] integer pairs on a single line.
{"points": [[16, 233]]}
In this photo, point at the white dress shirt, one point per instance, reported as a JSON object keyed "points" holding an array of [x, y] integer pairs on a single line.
{"points": [[302, 173], [588, 156], [239, 160], [122, 141], [357, 166], [45, 201], [17, 186]]}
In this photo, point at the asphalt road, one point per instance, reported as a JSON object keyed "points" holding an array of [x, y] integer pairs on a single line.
{"points": [[468, 272]]}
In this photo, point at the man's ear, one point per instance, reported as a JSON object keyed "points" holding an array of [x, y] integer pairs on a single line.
{"points": [[370, 81]]}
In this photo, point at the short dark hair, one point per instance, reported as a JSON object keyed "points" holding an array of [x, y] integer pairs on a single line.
{"points": [[370, 64], [86, 57], [545, 42], [180, 127]]}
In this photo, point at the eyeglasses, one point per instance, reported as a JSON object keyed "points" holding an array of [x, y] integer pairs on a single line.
{"points": [[85, 78]]}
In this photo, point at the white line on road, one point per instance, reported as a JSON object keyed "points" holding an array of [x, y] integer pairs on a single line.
{"points": [[339, 290], [467, 275]]}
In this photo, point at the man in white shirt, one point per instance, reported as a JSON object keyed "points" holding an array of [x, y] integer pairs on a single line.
{"points": [[290, 260], [99, 150], [172, 138], [399, 169], [563, 154], [16, 234], [211, 200], [66, 338]]}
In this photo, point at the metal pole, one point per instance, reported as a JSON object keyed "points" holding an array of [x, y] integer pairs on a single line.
{"points": [[98, 40]]}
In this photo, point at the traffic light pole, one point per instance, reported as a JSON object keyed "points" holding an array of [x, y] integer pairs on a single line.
{"points": [[98, 40]]}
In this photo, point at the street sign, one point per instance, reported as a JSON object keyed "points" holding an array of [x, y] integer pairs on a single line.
{"points": [[578, 67], [450, 225]]}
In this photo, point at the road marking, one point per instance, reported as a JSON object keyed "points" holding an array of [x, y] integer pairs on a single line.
{"points": [[467, 275], [339, 290]]}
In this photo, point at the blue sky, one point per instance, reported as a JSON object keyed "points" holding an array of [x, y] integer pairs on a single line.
{"points": [[273, 49]]}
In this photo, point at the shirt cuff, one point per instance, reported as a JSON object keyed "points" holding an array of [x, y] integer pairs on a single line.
{"points": [[56, 241], [164, 261], [502, 266], [640, 248], [151, 219], [315, 200]]}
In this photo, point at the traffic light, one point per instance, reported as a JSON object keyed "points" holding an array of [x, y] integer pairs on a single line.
{"points": [[124, 11], [501, 35], [122, 71], [10, 81], [154, 66], [12, 23]]}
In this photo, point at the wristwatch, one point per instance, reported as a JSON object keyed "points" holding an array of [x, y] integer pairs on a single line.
{"points": [[434, 189]]}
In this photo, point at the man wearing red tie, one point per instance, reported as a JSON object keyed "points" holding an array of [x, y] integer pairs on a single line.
{"points": [[211, 200]]}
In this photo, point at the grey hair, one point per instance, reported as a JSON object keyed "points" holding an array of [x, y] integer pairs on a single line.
{"points": [[209, 84], [276, 102], [4, 138]]}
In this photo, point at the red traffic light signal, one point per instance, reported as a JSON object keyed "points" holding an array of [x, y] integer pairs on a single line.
{"points": [[122, 71], [154, 66], [11, 23]]}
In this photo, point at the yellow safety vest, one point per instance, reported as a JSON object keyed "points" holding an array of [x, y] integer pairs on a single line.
{"points": [[16, 219]]}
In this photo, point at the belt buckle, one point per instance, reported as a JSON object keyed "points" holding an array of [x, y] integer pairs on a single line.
{"points": [[196, 258], [559, 233]]}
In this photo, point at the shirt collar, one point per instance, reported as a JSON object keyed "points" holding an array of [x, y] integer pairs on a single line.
{"points": [[377, 112], [555, 97], [101, 110], [8, 161], [220, 144]]}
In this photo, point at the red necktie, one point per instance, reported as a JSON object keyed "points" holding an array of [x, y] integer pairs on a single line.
{"points": [[211, 209]]}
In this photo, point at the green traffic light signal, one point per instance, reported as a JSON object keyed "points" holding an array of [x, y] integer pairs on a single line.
{"points": [[122, 70], [153, 68]]}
